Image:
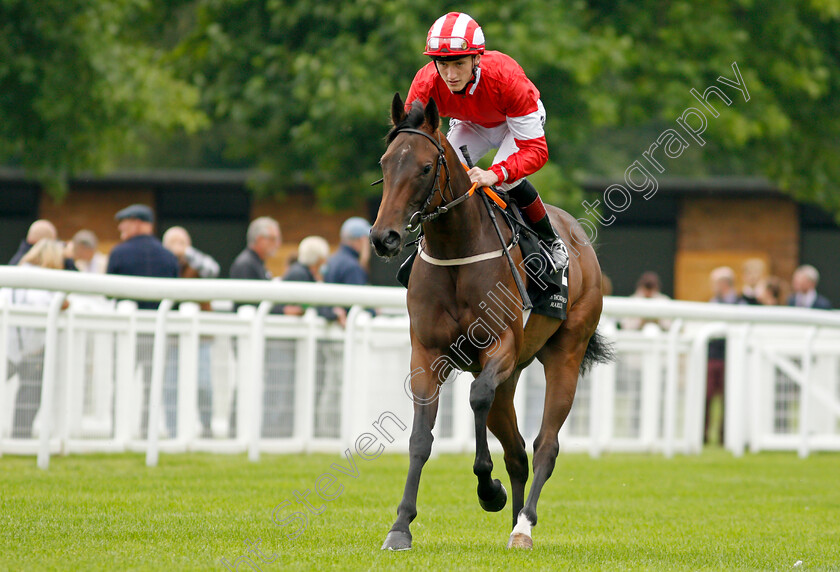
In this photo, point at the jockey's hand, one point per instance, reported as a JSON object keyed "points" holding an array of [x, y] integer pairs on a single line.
{"points": [[482, 177]]}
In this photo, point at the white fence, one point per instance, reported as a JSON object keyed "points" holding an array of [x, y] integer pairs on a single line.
{"points": [[256, 382]]}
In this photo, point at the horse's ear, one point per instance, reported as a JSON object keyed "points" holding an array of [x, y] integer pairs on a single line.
{"points": [[397, 109], [432, 115]]}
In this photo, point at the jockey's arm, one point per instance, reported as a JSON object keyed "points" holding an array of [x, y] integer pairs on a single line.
{"points": [[532, 149], [531, 154]]}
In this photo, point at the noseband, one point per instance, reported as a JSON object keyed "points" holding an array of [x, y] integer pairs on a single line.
{"points": [[421, 216]]}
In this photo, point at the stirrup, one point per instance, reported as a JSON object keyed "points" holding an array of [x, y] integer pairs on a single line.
{"points": [[557, 255]]}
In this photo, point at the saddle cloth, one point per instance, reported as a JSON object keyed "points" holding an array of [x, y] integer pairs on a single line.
{"points": [[549, 293]]}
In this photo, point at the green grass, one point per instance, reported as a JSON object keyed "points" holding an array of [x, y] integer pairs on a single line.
{"points": [[620, 512]]}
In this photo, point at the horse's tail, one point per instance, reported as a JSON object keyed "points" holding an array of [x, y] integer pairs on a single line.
{"points": [[599, 350]]}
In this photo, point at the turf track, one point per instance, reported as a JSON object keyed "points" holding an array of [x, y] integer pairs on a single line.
{"points": [[620, 512]]}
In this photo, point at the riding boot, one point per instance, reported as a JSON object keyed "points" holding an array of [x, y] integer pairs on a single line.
{"points": [[532, 208]]}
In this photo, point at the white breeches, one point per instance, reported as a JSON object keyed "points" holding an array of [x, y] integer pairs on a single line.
{"points": [[479, 140]]}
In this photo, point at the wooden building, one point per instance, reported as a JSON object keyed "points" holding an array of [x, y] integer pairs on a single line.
{"points": [[689, 227]]}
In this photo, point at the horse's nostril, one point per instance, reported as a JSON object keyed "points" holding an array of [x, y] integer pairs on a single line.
{"points": [[392, 240], [386, 242]]}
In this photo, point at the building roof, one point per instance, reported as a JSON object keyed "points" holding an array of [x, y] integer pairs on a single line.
{"points": [[169, 177], [685, 185]]}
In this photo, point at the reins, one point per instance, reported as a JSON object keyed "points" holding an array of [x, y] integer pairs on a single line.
{"points": [[421, 216]]}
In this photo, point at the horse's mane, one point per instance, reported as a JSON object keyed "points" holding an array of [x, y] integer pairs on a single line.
{"points": [[415, 118]]}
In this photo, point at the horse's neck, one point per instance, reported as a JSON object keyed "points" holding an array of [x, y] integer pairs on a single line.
{"points": [[463, 231]]}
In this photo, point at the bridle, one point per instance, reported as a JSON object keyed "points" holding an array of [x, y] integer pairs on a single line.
{"points": [[421, 216]]}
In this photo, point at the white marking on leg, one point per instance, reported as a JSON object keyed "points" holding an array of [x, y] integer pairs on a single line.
{"points": [[523, 526]]}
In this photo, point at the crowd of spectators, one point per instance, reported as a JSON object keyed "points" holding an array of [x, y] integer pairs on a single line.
{"points": [[140, 253], [758, 288]]}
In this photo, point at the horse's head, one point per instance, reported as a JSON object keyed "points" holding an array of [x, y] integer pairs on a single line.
{"points": [[413, 168]]}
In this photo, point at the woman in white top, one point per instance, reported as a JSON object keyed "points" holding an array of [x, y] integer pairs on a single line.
{"points": [[26, 345]]}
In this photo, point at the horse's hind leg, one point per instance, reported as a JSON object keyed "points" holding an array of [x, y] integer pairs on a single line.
{"points": [[502, 423], [561, 358]]}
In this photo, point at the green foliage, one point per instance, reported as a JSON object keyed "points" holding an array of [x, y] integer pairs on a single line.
{"points": [[307, 85], [302, 89], [76, 81], [788, 54]]}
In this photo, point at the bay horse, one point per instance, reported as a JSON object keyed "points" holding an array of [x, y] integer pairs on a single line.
{"points": [[447, 301]]}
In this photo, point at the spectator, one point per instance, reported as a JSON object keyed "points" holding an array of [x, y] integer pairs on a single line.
{"points": [[192, 263], [25, 348], [140, 253], [311, 256], [805, 295], [723, 289], [82, 250], [85, 255], [753, 271], [648, 286], [723, 286], [38, 230], [263, 242], [770, 291], [349, 264]]}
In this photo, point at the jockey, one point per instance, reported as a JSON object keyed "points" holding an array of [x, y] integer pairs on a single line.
{"points": [[491, 105]]}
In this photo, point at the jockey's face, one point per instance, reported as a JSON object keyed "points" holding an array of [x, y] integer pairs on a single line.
{"points": [[457, 73]]}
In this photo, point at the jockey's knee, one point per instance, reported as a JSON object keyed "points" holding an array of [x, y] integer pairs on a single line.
{"points": [[522, 191]]}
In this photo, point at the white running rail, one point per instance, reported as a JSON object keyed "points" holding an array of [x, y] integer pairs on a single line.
{"points": [[256, 382]]}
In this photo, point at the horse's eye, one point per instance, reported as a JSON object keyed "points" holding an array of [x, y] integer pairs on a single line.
{"points": [[427, 169]]}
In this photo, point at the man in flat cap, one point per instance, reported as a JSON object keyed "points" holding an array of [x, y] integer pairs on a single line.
{"points": [[140, 253]]}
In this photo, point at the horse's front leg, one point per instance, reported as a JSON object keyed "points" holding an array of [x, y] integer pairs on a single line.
{"points": [[491, 493], [424, 388]]}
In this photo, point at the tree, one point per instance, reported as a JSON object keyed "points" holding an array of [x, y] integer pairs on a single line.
{"points": [[788, 53], [79, 81], [305, 86], [302, 89]]}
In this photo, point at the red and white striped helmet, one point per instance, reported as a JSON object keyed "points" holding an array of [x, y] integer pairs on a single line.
{"points": [[455, 34]]}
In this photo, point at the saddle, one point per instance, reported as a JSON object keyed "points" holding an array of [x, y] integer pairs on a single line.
{"points": [[549, 293]]}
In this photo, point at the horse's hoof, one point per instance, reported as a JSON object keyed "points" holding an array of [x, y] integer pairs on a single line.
{"points": [[397, 540], [519, 540], [498, 502]]}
